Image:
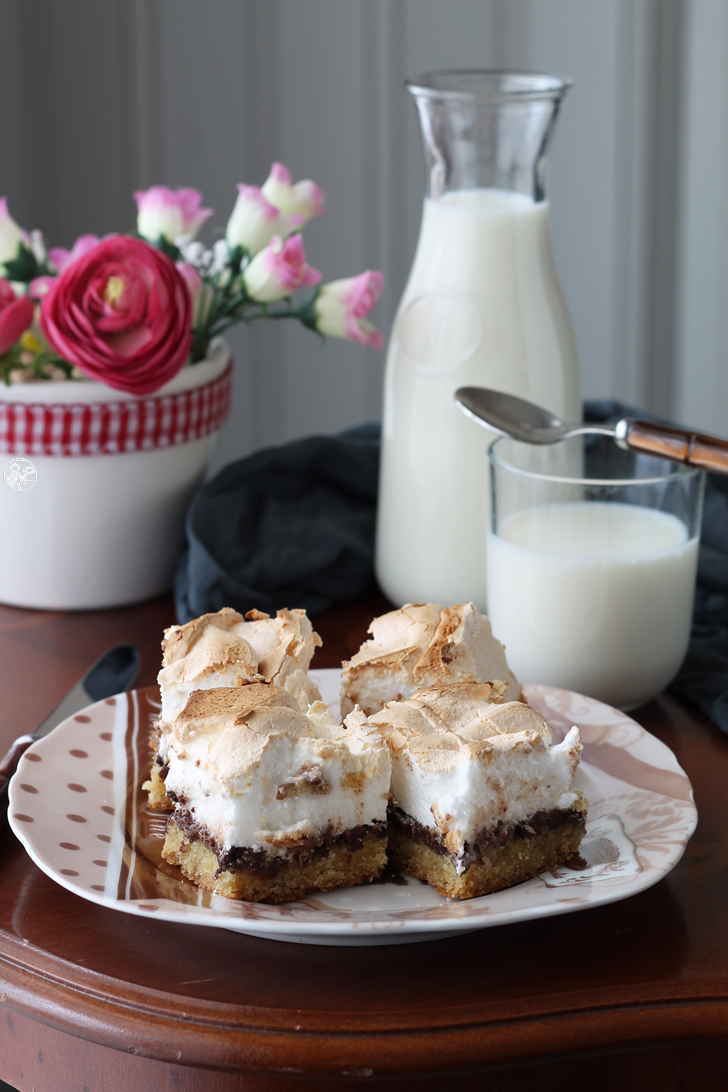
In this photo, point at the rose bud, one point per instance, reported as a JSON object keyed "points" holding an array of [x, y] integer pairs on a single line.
{"points": [[299, 203], [168, 214], [279, 270], [340, 306], [254, 220]]}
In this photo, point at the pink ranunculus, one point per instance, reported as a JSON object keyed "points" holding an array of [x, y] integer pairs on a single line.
{"points": [[298, 203], [62, 257], [341, 305], [122, 314], [279, 270], [254, 220], [16, 316], [168, 214]]}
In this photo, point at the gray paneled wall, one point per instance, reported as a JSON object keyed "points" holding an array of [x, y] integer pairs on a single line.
{"points": [[102, 96]]}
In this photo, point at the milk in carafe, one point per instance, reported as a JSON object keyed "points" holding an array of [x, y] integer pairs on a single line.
{"points": [[482, 307]]}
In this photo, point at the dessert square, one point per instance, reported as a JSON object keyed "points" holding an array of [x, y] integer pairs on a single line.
{"points": [[423, 645], [269, 802], [226, 650], [482, 800]]}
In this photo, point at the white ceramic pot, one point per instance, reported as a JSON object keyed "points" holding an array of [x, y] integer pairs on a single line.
{"points": [[88, 531]]}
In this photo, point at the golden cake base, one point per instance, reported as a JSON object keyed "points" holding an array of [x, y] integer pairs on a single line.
{"points": [[340, 867], [501, 866]]}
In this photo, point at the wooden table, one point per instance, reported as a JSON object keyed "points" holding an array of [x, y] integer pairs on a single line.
{"points": [[633, 995]]}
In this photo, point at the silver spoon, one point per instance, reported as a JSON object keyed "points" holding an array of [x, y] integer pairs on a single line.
{"points": [[511, 416]]}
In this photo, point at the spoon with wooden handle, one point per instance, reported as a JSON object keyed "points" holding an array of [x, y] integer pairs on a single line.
{"points": [[511, 416]]}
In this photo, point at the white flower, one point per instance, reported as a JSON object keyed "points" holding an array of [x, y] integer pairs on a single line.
{"points": [[279, 270], [254, 220], [167, 214], [297, 203], [11, 236], [220, 255], [340, 307], [38, 247]]}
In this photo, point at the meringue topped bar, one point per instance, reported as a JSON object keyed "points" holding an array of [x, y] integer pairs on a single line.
{"points": [[482, 800], [271, 803], [423, 645], [224, 650], [438, 767]]}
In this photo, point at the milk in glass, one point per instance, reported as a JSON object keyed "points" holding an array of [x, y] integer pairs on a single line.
{"points": [[594, 597], [483, 306]]}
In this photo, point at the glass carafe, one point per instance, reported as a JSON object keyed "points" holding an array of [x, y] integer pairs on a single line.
{"points": [[482, 307]]}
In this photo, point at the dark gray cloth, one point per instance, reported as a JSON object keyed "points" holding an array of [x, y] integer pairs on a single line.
{"points": [[288, 526], [294, 526]]}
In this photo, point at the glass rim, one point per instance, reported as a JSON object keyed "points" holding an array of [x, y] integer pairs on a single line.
{"points": [[489, 83], [679, 471]]}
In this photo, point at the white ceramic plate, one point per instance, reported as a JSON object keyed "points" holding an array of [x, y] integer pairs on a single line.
{"points": [[77, 806]]}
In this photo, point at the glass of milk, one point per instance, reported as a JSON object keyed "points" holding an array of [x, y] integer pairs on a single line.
{"points": [[592, 557]]}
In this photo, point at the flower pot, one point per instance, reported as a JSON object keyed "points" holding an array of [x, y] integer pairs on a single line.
{"points": [[96, 484]]}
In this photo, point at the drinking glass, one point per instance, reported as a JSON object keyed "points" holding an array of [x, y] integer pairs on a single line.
{"points": [[592, 557]]}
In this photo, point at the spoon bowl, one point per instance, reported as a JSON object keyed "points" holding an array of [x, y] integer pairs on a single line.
{"points": [[517, 418], [509, 415]]}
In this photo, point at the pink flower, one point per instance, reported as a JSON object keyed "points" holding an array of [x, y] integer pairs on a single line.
{"points": [[279, 270], [121, 313], [302, 201], [168, 214], [16, 316], [254, 220], [200, 293], [278, 208], [62, 257], [39, 286], [340, 307]]}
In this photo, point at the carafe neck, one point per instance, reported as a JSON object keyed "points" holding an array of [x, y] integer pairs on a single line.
{"points": [[487, 129]]}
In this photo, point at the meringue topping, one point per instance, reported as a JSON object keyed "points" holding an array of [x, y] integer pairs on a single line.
{"points": [[423, 645], [462, 763]]}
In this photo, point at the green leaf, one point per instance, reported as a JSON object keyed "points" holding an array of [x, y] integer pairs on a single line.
{"points": [[306, 311], [168, 248], [23, 267], [237, 253]]}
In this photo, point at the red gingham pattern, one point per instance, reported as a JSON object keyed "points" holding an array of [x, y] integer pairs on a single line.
{"points": [[113, 428]]}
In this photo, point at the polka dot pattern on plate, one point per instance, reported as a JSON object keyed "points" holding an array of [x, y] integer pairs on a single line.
{"points": [[69, 800]]}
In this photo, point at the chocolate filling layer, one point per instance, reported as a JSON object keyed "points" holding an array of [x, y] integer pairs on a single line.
{"points": [[541, 822], [242, 858]]}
